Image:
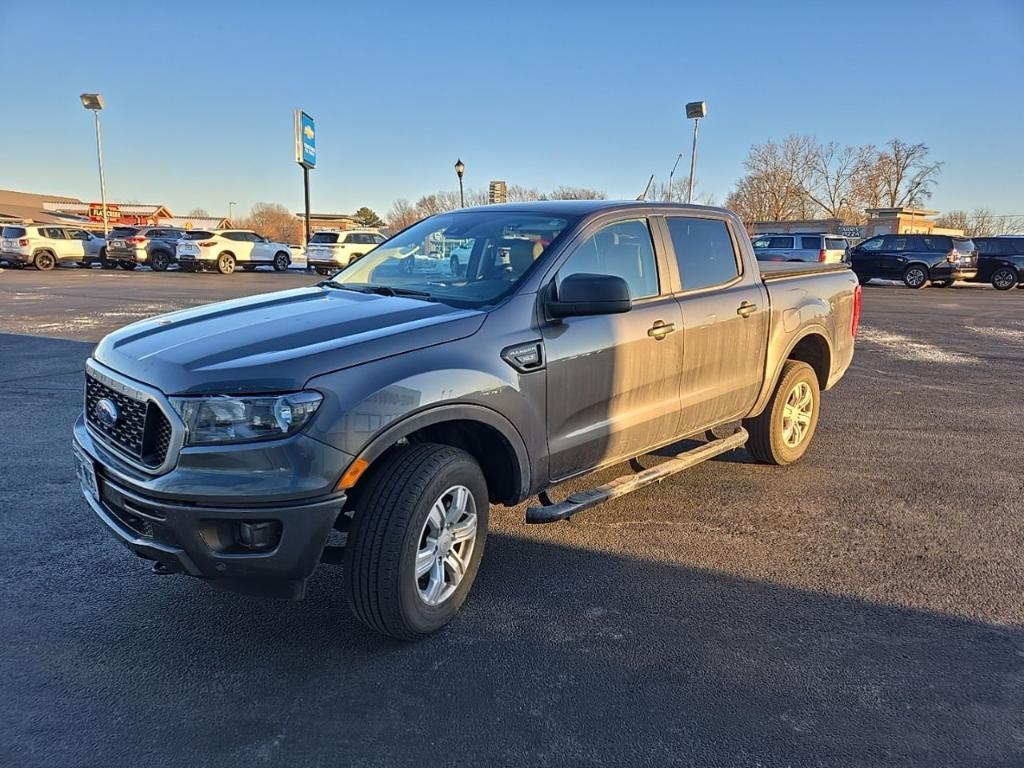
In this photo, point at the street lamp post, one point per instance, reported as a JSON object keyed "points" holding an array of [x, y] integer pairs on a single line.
{"points": [[460, 168], [231, 211], [671, 174], [94, 102], [695, 110]]}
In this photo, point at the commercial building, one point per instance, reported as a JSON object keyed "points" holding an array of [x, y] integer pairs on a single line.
{"points": [[881, 221], [58, 209]]}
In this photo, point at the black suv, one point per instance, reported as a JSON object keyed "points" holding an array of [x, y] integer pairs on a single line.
{"points": [[1001, 261], [915, 259]]}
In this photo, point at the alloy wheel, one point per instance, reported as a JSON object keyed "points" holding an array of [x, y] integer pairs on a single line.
{"points": [[446, 545], [796, 414]]}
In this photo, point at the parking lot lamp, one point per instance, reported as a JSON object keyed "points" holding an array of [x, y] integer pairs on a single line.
{"points": [[94, 102], [695, 110], [460, 168]]}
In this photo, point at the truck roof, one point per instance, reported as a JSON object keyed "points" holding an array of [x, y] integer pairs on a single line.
{"points": [[587, 207]]}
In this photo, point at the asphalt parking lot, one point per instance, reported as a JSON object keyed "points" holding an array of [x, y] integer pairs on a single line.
{"points": [[864, 607]]}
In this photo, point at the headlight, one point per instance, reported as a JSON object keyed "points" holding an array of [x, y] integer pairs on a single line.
{"points": [[224, 419]]}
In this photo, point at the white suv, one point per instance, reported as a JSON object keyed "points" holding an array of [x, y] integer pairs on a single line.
{"points": [[330, 251], [46, 245], [224, 249]]}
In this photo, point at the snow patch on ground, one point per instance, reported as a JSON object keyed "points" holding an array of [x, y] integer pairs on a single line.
{"points": [[999, 333], [906, 348]]}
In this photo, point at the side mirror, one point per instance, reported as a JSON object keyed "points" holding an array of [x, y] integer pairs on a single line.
{"points": [[585, 294]]}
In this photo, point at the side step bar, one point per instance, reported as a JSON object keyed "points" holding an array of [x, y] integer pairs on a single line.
{"points": [[591, 497]]}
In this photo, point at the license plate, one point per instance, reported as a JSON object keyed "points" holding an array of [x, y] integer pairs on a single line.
{"points": [[86, 472], [117, 243]]}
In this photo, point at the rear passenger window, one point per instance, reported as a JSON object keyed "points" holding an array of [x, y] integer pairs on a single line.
{"points": [[704, 251], [622, 249], [810, 243]]}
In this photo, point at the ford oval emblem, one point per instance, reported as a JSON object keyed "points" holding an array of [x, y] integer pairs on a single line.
{"points": [[106, 412]]}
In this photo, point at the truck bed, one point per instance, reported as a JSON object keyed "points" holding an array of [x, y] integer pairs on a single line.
{"points": [[776, 270]]}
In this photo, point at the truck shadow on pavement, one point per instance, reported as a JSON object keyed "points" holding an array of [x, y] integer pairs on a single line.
{"points": [[561, 656]]}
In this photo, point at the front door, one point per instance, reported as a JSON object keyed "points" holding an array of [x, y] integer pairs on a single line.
{"points": [[725, 324], [864, 258], [613, 380]]}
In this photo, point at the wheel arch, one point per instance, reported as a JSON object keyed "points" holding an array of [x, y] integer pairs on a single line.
{"points": [[485, 434], [810, 346]]}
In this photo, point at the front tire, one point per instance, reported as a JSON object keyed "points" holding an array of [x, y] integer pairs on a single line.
{"points": [[281, 261], [416, 540], [782, 433], [915, 276], [225, 263], [1004, 278]]}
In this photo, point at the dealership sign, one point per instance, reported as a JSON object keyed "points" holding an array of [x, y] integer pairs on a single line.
{"points": [[305, 139]]}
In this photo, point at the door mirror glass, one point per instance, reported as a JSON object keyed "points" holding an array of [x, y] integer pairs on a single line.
{"points": [[584, 294]]}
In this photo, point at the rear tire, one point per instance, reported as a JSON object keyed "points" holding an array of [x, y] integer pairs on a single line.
{"points": [[127, 266], [281, 261], [44, 261], [915, 276], [159, 261], [782, 433], [944, 284], [226, 263], [1004, 278], [863, 280], [394, 537], [323, 271]]}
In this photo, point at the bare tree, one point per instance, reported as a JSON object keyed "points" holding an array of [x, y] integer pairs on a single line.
{"points": [[564, 192], [905, 173], [515, 193], [981, 222], [198, 213], [402, 214], [273, 220], [831, 182]]}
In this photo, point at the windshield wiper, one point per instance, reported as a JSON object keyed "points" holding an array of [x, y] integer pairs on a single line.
{"points": [[380, 290]]}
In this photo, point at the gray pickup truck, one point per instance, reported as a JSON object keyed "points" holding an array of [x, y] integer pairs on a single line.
{"points": [[374, 418]]}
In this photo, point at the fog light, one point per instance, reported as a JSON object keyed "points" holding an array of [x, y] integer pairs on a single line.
{"points": [[261, 535]]}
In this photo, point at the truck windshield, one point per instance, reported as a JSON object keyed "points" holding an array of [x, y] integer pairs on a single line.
{"points": [[465, 258]]}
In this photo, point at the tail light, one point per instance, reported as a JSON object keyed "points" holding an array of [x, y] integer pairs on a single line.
{"points": [[134, 240], [23, 242], [952, 255], [821, 255], [207, 244], [858, 294]]}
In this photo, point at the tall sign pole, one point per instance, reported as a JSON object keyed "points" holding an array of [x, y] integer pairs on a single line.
{"points": [[305, 155], [695, 110]]}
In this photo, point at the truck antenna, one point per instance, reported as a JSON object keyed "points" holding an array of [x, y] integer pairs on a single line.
{"points": [[647, 188]]}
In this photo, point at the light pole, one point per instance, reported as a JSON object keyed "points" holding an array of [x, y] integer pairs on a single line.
{"points": [[671, 174], [460, 168], [94, 102], [695, 110], [231, 211]]}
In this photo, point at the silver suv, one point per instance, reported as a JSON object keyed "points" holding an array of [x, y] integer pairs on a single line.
{"points": [[801, 246], [44, 246], [330, 251]]}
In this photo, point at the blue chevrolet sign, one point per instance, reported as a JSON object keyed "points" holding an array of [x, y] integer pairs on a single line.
{"points": [[305, 139]]}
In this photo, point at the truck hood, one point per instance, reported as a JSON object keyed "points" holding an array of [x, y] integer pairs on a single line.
{"points": [[276, 342]]}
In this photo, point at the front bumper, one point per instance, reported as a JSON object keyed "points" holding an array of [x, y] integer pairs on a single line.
{"points": [[193, 535]]}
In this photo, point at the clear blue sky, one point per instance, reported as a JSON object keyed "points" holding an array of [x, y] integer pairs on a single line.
{"points": [[200, 95]]}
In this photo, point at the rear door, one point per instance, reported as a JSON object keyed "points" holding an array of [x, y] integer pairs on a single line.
{"points": [[613, 380], [58, 242], [725, 323], [811, 247]]}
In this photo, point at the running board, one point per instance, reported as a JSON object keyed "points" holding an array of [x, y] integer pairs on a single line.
{"points": [[591, 497]]}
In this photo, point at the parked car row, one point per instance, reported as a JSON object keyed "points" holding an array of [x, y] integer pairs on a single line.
{"points": [[45, 246], [917, 260]]}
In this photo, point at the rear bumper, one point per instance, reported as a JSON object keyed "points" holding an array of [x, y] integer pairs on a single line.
{"points": [[15, 257], [963, 273], [127, 254]]}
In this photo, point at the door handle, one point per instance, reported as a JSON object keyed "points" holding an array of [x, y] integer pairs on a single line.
{"points": [[660, 330], [746, 309]]}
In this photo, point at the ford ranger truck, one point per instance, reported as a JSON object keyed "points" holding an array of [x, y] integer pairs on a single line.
{"points": [[374, 419]]}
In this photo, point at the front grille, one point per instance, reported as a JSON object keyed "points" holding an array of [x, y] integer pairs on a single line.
{"points": [[142, 430]]}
